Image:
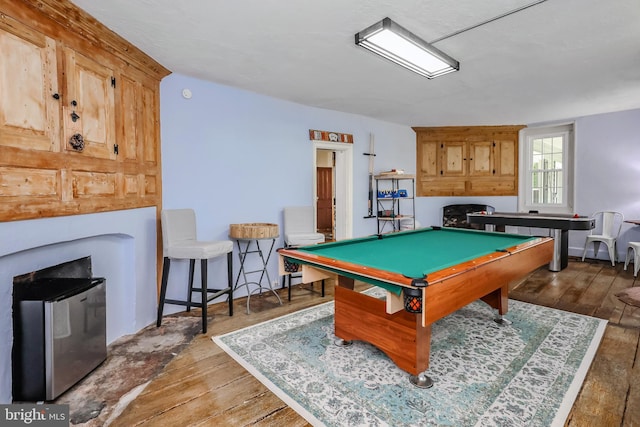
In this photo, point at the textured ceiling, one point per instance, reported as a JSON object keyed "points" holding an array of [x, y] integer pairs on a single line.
{"points": [[558, 59]]}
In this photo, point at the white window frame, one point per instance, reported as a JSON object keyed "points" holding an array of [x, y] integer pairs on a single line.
{"points": [[525, 191]]}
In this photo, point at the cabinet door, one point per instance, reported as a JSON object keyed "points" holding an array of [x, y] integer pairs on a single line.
{"points": [[138, 134], [428, 158], [454, 159], [150, 123], [130, 111], [506, 154], [138, 130], [481, 159], [29, 113], [89, 86]]}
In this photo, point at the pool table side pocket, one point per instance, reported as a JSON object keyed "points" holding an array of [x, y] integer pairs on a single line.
{"points": [[309, 274]]}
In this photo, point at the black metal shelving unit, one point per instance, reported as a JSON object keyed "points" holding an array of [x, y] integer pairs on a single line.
{"points": [[395, 202]]}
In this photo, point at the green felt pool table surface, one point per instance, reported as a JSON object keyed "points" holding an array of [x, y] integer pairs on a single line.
{"points": [[417, 253]]}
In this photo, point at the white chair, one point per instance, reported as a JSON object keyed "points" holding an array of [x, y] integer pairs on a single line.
{"points": [[299, 227], [179, 242], [633, 247], [299, 230], [608, 225]]}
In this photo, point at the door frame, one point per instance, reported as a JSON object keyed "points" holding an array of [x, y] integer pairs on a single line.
{"points": [[343, 185]]}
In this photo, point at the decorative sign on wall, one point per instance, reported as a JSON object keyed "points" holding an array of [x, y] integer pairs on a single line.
{"points": [[323, 135]]}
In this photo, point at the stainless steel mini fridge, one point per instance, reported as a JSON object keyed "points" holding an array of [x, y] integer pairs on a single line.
{"points": [[59, 335]]}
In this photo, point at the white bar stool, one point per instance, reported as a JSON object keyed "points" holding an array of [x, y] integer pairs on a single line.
{"points": [[179, 242]]}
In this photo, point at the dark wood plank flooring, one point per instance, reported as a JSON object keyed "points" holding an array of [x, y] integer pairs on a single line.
{"points": [[203, 386]]}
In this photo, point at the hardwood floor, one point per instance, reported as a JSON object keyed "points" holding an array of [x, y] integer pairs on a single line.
{"points": [[203, 386]]}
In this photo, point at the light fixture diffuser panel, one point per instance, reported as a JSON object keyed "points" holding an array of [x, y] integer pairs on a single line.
{"points": [[391, 41]]}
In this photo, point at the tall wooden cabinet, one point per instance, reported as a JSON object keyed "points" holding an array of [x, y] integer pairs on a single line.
{"points": [[467, 161], [79, 115]]}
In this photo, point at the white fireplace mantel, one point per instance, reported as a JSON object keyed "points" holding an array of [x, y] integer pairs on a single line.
{"points": [[122, 245]]}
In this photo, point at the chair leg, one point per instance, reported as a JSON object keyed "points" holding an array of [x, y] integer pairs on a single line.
{"points": [[596, 249], [636, 263], [163, 289], [628, 258], [230, 280], [289, 287], [323, 287], [192, 265], [612, 254], [203, 275]]}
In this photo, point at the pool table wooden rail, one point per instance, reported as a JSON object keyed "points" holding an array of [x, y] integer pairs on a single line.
{"points": [[390, 277], [486, 278]]}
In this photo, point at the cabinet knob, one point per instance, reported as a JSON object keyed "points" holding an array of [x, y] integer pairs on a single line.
{"points": [[74, 117], [74, 103], [56, 96]]}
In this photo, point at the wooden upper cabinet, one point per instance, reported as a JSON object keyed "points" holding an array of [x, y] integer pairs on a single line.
{"points": [[79, 115], [29, 113], [88, 105], [467, 161]]}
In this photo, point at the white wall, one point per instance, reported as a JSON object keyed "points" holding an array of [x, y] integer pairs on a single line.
{"points": [[608, 172], [236, 157]]}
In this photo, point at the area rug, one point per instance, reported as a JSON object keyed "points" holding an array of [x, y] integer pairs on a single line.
{"points": [[527, 373]]}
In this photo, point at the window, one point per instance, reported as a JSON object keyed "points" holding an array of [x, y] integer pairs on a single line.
{"points": [[546, 175]]}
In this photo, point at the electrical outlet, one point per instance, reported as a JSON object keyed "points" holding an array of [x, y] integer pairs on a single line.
{"points": [[274, 283]]}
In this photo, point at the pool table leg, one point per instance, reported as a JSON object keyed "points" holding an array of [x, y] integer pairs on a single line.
{"points": [[421, 380], [499, 299], [400, 335]]}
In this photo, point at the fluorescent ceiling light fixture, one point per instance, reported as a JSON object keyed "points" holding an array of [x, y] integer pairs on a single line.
{"points": [[391, 41]]}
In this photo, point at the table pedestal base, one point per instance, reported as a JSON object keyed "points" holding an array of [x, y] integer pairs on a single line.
{"points": [[264, 273]]}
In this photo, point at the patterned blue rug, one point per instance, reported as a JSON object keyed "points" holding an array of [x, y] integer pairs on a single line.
{"points": [[528, 373]]}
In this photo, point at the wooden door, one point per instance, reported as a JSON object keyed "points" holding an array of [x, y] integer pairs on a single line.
{"points": [[324, 206]]}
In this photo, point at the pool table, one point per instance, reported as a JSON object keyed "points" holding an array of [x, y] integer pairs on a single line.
{"points": [[427, 273]]}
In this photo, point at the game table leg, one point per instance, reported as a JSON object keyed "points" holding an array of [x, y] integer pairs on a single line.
{"points": [[421, 380]]}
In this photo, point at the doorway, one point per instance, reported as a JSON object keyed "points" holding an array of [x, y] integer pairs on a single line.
{"points": [[335, 210], [325, 203]]}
